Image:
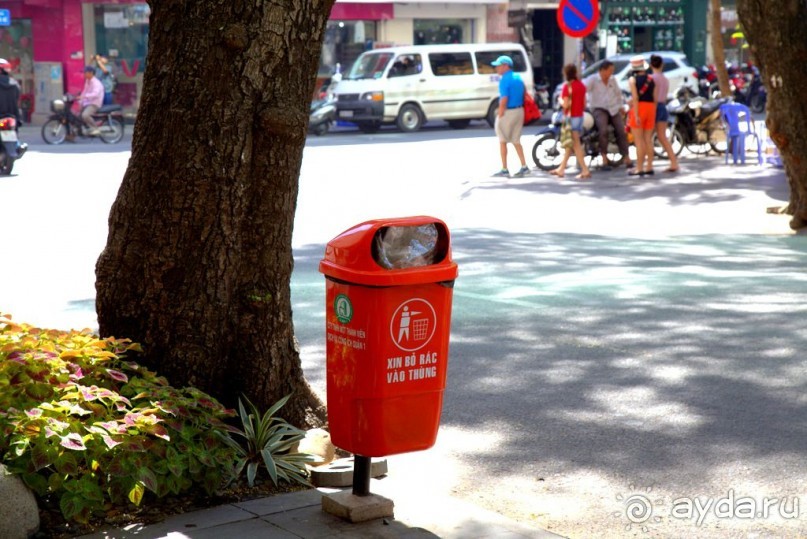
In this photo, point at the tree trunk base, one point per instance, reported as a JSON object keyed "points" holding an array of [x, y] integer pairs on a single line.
{"points": [[798, 222]]}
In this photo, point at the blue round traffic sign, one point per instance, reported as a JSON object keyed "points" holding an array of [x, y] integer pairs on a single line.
{"points": [[578, 18]]}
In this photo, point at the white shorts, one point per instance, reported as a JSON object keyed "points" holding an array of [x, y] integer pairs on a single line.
{"points": [[508, 127]]}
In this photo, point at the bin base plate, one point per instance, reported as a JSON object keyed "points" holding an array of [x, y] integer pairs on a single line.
{"points": [[352, 508], [339, 473]]}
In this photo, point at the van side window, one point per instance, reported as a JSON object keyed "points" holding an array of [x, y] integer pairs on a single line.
{"points": [[484, 59], [405, 65], [451, 63]]}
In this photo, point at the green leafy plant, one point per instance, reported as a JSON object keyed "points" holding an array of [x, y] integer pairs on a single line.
{"points": [[269, 440], [81, 423]]}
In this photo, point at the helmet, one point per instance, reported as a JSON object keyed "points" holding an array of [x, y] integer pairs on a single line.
{"points": [[5, 65]]}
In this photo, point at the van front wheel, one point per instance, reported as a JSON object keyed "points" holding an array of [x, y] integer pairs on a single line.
{"points": [[410, 119]]}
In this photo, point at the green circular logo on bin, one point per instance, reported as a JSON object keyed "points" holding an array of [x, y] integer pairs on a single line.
{"points": [[343, 308]]}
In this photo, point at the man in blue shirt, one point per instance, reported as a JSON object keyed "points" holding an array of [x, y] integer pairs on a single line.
{"points": [[510, 118]]}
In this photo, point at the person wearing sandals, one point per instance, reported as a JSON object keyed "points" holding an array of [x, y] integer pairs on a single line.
{"points": [[662, 115], [573, 97], [510, 117], [606, 102], [644, 97]]}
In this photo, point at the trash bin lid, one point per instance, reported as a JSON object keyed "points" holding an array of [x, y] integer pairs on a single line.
{"points": [[391, 252]]}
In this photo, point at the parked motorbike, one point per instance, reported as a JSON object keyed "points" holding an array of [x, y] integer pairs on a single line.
{"points": [[11, 148], [695, 124], [707, 81], [322, 115], [63, 124], [752, 92], [542, 97], [323, 109], [547, 152]]}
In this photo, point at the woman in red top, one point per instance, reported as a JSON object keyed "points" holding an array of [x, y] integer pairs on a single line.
{"points": [[573, 97]]}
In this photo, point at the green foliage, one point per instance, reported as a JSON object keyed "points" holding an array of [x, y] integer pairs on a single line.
{"points": [[81, 422], [268, 440]]}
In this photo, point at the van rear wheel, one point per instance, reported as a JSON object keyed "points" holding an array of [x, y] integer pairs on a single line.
{"points": [[410, 119], [493, 110]]}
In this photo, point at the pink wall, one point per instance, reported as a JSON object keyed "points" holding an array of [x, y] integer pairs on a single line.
{"points": [[73, 47], [57, 31]]}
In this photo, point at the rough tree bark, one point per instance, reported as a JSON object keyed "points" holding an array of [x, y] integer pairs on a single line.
{"points": [[198, 261], [718, 52], [778, 41]]}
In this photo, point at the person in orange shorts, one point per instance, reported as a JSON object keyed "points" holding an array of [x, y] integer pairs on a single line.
{"points": [[643, 120]]}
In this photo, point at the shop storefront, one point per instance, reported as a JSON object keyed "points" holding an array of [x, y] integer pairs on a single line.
{"points": [[355, 27], [655, 25], [16, 46], [735, 46], [48, 42], [119, 32]]}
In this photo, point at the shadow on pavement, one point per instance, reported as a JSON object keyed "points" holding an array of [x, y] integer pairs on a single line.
{"points": [[655, 359], [702, 180]]}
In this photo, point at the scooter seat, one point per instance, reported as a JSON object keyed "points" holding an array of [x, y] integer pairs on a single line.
{"points": [[711, 106], [105, 109]]}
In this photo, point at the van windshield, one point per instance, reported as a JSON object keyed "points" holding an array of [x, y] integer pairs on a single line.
{"points": [[369, 66]]}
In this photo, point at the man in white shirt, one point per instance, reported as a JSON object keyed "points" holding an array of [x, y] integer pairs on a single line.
{"points": [[91, 99], [605, 100]]}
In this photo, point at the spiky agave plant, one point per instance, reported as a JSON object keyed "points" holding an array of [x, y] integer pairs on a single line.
{"points": [[268, 439]]}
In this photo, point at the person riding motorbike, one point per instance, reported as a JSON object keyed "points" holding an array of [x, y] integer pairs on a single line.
{"points": [[9, 93], [91, 99], [10, 102]]}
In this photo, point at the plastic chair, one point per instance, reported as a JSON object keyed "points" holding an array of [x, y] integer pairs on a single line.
{"points": [[739, 126]]}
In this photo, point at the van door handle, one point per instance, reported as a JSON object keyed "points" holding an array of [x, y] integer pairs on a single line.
{"points": [[422, 80]]}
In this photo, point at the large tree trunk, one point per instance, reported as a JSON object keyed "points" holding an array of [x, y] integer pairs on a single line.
{"points": [[775, 32], [198, 260], [717, 48]]}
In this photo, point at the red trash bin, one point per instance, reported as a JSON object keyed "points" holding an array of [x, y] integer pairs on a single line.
{"points": [[389, 285]]}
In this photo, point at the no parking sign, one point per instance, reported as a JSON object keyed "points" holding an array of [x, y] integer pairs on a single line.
{"points": [[578, 18]]}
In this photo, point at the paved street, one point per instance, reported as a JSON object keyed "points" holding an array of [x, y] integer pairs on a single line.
{"points": [[617, 346]]}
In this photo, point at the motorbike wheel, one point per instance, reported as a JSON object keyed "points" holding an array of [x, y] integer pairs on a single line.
{"points": [[757, 103], [676, 139], [547, 153], [7, 166], [321, 129], [54, 132], [718, 141], [699, 144], [112, 131]]}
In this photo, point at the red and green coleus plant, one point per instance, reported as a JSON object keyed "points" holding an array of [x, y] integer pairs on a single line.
{"points": [[81, 422]]}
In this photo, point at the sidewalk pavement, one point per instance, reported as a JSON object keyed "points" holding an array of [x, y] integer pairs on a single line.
{"points": [[299, 514]]}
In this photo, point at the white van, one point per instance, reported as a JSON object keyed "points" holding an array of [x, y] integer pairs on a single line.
{"points": [[409, 85]]}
